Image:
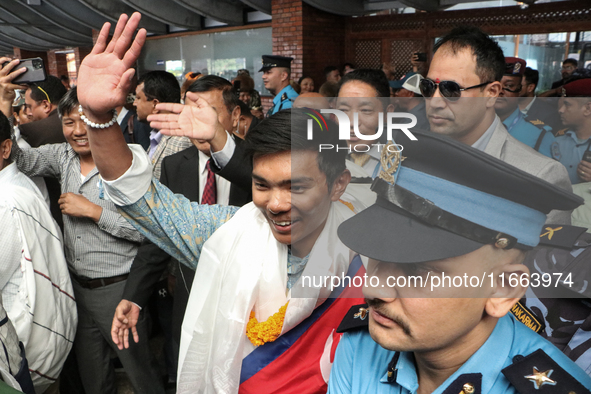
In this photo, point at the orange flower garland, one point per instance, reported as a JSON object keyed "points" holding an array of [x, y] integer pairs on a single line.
{"points": [[260, 333]]}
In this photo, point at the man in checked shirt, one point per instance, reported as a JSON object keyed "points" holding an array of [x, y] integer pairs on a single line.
{"points": [[99, 245]]}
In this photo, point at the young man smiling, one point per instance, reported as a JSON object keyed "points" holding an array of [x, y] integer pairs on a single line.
{"points": [[242, 298]]}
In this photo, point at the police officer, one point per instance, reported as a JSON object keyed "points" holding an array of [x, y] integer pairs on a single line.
{"points": [[573, 149], [514, 120], [448, 210], [276, 73]]}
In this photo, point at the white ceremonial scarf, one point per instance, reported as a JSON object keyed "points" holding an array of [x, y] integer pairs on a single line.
{"points": [[43, 315], [244, 268]]}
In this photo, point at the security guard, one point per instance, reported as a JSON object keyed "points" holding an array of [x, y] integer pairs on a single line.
{"points": [[276, 73], [573, 149], [514, 120], [445, 209]]}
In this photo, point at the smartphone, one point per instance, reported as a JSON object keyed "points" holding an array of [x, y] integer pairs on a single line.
{"points": [[587, 156], [237, 86], [421, 56], [35, 71]]}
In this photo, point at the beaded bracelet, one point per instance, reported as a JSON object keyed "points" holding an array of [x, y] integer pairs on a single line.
{"points": [[97, 125]]}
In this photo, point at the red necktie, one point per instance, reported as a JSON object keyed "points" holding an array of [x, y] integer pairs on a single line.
{"points": [[209, 191]]}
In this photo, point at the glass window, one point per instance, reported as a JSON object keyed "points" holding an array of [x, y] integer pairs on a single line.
{"points": [[545, 52], [222, 54]]}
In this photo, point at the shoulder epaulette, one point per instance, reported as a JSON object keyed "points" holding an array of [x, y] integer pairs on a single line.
{"points": [[284, 96], [560, 235], [356, 317], [537, 373], [560, 132]]}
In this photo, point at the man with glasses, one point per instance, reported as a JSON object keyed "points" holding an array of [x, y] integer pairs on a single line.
{"points": [[568, 68], [507, 108], [467, 64]]}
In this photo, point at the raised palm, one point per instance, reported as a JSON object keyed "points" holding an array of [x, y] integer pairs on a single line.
{"points": [[104, 77], [196, 119]]}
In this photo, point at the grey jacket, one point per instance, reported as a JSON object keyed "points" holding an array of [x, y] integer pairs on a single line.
{"points": [[503, 146]]}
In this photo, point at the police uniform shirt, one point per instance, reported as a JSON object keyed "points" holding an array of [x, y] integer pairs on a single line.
{"points": [[283, 100], [569, 150], [527, 133], [361, 366]]}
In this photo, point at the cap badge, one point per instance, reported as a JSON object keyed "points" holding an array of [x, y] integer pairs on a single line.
{"points": [[502, 243], [390, 162], [541, 378], [550, 232], [516, 68], [362, 314]]}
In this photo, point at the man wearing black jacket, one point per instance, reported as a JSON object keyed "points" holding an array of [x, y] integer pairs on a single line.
{"points": [[187, 173]]}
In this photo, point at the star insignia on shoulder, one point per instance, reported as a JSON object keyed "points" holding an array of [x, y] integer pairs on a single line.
{"points": [[541, 378]]}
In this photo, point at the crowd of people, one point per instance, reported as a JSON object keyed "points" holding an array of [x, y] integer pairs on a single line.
{"points": [[129, 202]]}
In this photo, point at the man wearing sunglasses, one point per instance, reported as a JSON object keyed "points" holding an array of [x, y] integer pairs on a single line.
{"points": [[467, 64], [507, 108]]}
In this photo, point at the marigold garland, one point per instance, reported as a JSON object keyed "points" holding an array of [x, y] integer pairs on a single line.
{"points": [[260, 333]]}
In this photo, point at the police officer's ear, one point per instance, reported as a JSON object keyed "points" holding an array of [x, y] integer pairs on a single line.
{"points": [[509, 280], [284, 74], [339, 185]]}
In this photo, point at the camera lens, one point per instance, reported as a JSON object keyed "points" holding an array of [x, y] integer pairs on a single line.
{"points": [[37, 64]]}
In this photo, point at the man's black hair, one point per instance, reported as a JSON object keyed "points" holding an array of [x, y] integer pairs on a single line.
{"points": [[68, 103], [54, 88], [287, 131], [213, 82], [374, 78], [329, 69], [5, 129], [572, 61], [531, 76], [490, 60], [161, 86], [244, 109]]}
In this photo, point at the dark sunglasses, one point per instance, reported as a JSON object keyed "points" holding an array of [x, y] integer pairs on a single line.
{"points": [[448, 89]]}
